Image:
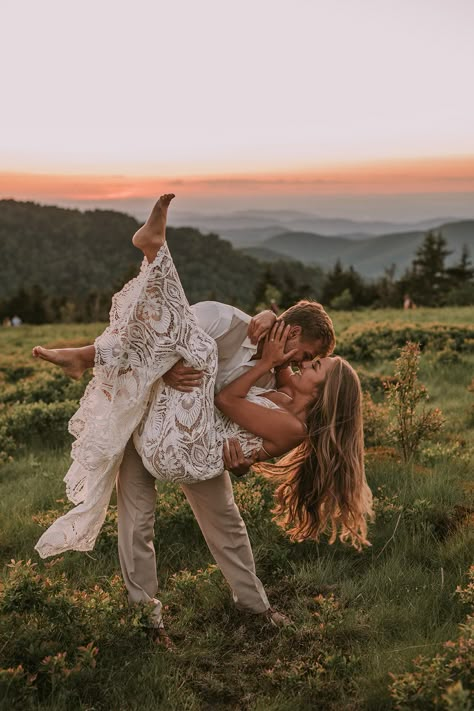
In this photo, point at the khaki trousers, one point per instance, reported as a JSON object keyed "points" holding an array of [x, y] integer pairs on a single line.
{"points": [[213, 504]]}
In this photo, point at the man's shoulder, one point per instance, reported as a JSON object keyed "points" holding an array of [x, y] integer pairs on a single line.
{"points": [[217, 318], [217, 308]]}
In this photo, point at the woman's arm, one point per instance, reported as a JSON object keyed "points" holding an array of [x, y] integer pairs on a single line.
{"points": [[280, 429]]}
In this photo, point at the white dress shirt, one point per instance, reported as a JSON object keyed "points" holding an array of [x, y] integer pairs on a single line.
{"points": [[228, 326]]}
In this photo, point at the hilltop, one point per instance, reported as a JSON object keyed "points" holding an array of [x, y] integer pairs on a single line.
{"points": [[70, 254], [368, 256]]}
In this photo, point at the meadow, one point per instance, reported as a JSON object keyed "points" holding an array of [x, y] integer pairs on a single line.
{"points": [[386, 628]]}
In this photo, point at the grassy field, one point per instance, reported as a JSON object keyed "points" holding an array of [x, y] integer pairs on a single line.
{"points": [[68, 639]]}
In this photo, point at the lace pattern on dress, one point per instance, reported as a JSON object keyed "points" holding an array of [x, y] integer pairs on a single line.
{"points": [[151, 327], [179, 436]]}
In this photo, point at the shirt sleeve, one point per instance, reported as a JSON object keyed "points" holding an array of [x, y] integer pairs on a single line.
{"points": [[216, 318]]}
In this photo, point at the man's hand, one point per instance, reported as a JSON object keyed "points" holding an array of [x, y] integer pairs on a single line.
{"points": [[182, 378], [235, 460], [260, 325]]}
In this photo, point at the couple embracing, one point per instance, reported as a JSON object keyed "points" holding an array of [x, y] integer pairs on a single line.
{"points": [[187, 394]]}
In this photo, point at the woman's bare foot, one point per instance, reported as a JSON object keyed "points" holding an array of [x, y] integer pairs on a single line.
{"points": [[151, 236], [69, 359]]}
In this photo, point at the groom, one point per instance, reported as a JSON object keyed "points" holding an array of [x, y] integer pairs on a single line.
{"points": [[212, 501]]}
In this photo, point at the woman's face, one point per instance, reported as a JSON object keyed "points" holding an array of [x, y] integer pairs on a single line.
{"points": [[311, 375]]}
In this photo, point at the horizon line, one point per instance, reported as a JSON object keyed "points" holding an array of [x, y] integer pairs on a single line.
{"points": [[453, 174]]}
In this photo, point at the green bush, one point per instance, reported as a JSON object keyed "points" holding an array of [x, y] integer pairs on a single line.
{"points": [[413, 422], [364, 342], [445, 681], [43, 421], [16, 373], [62, 636], [375, 417], [46, 386]]}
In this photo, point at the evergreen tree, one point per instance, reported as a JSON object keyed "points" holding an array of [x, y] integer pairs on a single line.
{"points": [[347, 282], [462, 272], [427, 281], [461, 279]]}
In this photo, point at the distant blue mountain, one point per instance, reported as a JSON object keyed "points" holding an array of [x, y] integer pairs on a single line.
{"points": [[368, 256]]}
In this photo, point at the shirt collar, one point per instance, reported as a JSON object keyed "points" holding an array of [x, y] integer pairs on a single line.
{"points": [[248, 344]]}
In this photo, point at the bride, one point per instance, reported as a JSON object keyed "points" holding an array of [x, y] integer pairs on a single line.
{"points": [[315, 418]]}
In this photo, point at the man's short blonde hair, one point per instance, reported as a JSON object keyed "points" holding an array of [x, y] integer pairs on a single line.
{"points": [[316, 324]]}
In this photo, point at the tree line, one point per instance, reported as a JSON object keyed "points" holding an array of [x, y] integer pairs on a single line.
{"points": [[59, 265], [427, 282]]}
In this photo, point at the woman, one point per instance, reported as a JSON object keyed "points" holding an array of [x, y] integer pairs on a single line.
{"points": [[180, 436]]}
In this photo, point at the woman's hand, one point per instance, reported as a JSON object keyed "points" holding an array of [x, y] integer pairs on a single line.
{"points": [[273, 353], [260, 325]]}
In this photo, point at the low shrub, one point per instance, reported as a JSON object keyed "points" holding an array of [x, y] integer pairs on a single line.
{"points": [[372, 384], [26, 423], [15, 373], [432, 453], [445, 681], [362, 342], [376, 422], [254, 497], [61, 635], [46, 386], [413, 422]]}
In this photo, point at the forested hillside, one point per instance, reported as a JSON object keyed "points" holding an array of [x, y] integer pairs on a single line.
{"points": [[370, 257], [82, 257]]}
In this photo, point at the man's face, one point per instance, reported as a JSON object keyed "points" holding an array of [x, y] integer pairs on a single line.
{"points": [[306, 350]]}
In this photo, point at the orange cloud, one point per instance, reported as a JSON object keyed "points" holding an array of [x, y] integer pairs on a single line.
{"points": [[424, 175]]}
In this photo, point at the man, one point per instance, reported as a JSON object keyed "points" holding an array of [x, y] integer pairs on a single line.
{"points": [[239, 343]]}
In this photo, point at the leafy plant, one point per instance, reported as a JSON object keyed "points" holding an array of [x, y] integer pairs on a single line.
{"points": [[445, 681], [375, 421], [405, 396], [61, 635]]}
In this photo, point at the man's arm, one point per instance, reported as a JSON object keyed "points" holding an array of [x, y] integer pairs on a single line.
{"points": [[235, 460], [216, 320]]}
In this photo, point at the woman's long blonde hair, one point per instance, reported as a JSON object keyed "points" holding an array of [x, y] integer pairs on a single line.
{"points": [[324, 485]]}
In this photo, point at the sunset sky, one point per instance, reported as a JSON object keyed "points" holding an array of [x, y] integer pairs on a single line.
{"points": [[263, 99]]}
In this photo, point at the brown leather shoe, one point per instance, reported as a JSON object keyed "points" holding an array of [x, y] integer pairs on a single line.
{"points": [[275, 618], [160, 636]]}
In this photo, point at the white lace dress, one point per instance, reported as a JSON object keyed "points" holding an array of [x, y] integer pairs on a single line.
{"points": [[179, 436]]}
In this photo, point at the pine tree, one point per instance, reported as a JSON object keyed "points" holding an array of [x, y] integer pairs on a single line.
{"points": [[427, 280], [462, 272]]}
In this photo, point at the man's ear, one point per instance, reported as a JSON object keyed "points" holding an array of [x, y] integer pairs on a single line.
{"points": [[294, 331]]}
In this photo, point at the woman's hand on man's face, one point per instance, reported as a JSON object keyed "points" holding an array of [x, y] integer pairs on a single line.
{"points": [[274, 347]]}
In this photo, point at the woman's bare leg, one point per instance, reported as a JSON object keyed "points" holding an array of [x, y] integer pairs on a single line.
{"points": [[74, 361], [149, 238], [152, 235]]}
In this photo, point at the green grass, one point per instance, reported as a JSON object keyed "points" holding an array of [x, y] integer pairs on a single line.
{"points": [[357, 616]]}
